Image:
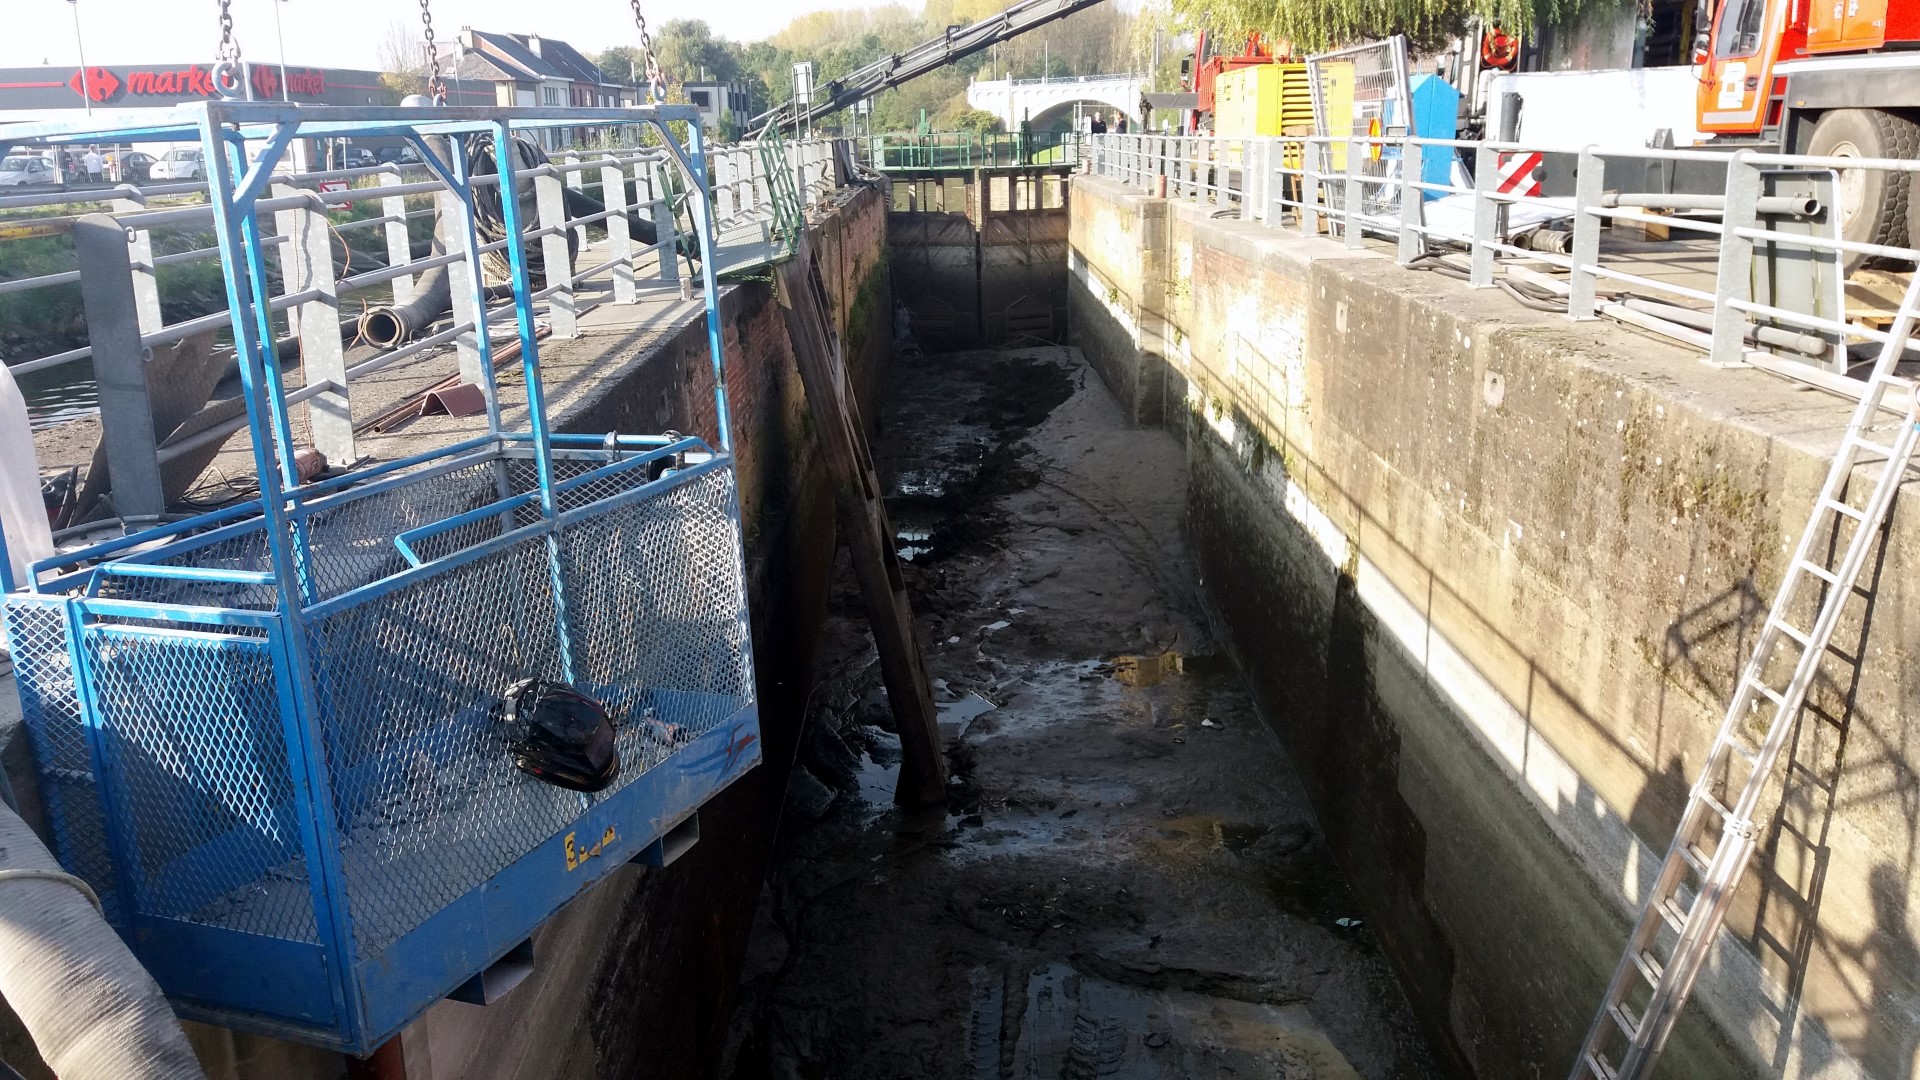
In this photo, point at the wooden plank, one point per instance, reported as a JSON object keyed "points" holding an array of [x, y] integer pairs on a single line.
{"points": [[1873, 296], [865, 528]]}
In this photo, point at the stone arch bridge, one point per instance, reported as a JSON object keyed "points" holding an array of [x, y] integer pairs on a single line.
{"points": [[1044, 100]]}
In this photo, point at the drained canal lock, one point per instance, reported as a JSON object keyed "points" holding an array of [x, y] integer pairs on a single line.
{"points": [[1125, 879]]}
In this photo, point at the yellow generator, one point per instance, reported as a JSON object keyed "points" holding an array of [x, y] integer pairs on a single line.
{"points": [[1263, 99]]}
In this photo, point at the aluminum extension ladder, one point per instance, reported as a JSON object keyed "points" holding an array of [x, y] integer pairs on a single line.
{"points": [[1635, 1041]]}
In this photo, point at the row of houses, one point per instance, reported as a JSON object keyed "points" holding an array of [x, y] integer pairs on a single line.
{"points": [[530, 70]]}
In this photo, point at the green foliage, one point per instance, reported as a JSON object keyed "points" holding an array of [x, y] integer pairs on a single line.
{"points": [[977, 121], [1099, 40], [621, 64], [689, 52], [1321, 24]]}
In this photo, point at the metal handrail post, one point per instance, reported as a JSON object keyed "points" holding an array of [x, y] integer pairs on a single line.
{"points": [[1733, 276], [1311, 155], [119, 366], [306, 267], [146, 276], [613, 191], [1350, 197], [1486, 169], [1412, 243], [399, 243], [556, 255], [1589, 184], [576, 181]]}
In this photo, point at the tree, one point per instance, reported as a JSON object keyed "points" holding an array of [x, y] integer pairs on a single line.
{"points": [[689, 52], [1320, 24], [622, 63], [401, 57], [977, 121]]}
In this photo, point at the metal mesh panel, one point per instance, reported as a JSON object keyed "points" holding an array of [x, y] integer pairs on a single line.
{"points": [[243, 551], [352, 542], [526, 478], [201, 780], [658, 623], [43, 670], [1362, 91], [427, 801]]}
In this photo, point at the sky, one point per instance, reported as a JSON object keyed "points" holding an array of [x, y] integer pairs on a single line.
{"points": [[345, 33]]}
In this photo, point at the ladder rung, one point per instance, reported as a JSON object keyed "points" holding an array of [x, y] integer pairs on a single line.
{"points": [[1715, 805], [1734, 741], [1695, 859], [1598, 1067], [1672, 912], [1868, 444], [1795, 633], [1628, 1025], [1769, 692], [1820, 572], [1839, 507], [1649, 965]]}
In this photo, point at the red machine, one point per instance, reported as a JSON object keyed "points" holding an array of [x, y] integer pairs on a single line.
{"points": [[1827, 77]]}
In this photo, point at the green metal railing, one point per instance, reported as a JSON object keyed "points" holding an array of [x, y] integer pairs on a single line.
{"points": [[972, 150]]}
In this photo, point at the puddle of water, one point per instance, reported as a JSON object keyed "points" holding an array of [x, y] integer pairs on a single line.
{"points": [[910, 543], [912, 533], [1153, 670], [877, 782], [957, 716], [1147, 670]]}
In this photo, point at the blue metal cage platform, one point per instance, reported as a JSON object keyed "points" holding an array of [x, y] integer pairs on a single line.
{"points": [[265, 735]]}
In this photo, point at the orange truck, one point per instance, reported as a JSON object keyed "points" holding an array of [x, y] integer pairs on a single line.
{"points": [[1835, 78]]}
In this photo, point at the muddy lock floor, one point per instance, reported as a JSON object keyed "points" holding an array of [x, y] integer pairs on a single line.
{"points": [[1127, 881]]}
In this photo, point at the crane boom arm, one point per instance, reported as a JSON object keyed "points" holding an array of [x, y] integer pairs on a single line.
{"points": [[890, 71]]}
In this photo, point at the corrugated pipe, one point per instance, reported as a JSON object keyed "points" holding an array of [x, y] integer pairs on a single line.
{"points": [[93, 1011]]}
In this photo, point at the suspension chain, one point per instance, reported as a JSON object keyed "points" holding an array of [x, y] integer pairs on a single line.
{"points": [[656, 81], [229, 50], [229, 74], [436, 86]]}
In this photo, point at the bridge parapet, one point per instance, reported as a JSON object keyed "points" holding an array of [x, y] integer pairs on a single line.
{"points": [[1013, 100]]}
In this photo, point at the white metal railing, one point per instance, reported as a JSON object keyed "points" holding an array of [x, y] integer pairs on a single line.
{"points": [[760, 192], [1741, 310], [744, 193]]}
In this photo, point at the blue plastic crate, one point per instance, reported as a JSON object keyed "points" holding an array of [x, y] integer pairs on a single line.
{"points": [[265, 735]]}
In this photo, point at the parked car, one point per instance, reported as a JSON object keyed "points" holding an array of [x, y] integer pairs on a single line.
{"points": [[398, 155], [135, 166], [181, 163], [24, 170], [359, 157]]}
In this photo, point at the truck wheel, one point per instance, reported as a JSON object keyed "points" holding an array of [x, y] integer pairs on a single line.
{"points": [[1873, 204]]}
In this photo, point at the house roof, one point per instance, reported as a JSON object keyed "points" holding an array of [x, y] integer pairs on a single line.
{"points": [[510, 53], [561, 55], [479, 67]]}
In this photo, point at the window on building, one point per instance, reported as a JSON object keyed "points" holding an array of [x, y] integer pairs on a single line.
{"points": [[700, 98]]}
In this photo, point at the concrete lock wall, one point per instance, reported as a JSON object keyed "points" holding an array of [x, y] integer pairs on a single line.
{"points": [[636, 976], [1491, 574]]}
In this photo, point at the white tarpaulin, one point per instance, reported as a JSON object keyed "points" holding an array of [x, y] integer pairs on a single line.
{"points": [[22, 512]]}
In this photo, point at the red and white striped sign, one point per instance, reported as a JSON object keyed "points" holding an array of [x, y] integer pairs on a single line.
{"points": [[1517, 173]]}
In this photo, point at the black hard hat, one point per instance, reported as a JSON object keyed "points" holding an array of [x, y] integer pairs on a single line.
{"points": [[558, 734]]}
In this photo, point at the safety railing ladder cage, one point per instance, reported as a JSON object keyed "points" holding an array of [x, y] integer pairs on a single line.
{"points": [[1684, 910], [266, 735]]}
